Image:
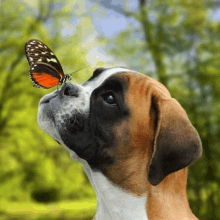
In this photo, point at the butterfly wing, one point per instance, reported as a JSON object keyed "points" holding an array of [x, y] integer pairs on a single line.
{"points": [[44, 75], [38, 52]]}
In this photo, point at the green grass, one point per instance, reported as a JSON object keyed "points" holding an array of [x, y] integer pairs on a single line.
{"points": [[66, 210]]}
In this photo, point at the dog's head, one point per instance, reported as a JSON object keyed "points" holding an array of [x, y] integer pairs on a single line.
{"points": [[119, 122]]}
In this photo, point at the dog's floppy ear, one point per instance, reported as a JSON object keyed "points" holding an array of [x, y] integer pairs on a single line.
{"points": [[177, 143]]}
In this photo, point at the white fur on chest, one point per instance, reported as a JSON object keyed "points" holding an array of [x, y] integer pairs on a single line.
{"points": [[113, 203]]}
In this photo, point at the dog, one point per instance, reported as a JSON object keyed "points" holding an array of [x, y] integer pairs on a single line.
{"points": [[133, 139]]}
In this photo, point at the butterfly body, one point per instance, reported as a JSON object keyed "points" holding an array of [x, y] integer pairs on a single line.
{"points": [[45, 69]]}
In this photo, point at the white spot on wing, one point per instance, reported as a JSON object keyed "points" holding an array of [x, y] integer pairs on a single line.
{"points": [[52, 59]]}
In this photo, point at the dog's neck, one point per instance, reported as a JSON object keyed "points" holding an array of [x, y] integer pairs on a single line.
{"points": [[114, 203], [159, 203]]}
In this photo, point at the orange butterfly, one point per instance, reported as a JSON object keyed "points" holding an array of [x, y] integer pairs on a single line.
{"points": [[45, 68]]}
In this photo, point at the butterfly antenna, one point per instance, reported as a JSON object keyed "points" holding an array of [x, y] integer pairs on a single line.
{"points": [[79, 70]]}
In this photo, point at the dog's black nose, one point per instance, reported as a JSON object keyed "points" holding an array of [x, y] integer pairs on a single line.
{"points": [[70, 89]]}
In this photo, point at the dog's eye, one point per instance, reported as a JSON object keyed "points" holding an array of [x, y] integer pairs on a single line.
{"points": [[109, 98]]}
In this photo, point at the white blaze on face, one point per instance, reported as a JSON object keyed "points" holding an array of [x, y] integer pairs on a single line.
{"points": [[103, 76]]}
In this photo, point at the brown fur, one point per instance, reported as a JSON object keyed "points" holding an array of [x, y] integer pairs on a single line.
{"points": [[137, 140]]}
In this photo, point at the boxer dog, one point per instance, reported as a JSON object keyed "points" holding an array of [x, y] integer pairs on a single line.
{"points": [[133, 139]]}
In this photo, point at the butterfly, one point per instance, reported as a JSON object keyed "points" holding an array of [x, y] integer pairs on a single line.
{"points": [[45, 69]]}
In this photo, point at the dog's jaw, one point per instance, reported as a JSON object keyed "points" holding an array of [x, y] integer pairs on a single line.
{"points": [[46, 122]]}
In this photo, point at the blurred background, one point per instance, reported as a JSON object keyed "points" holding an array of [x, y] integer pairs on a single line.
{"points": [[176, 42]]}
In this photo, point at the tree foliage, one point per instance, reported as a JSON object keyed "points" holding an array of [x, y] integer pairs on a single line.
{"points": [[32, 165]]}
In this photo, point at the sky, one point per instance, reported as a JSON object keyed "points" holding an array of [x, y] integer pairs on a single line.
{"points": [[113, 23], [109, 23]]}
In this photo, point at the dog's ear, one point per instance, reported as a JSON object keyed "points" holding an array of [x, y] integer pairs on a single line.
{"points": [[176, 144]]}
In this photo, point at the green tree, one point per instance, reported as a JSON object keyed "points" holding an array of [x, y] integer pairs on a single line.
{"points": [[31, 163]]}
